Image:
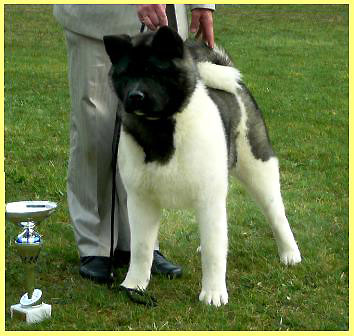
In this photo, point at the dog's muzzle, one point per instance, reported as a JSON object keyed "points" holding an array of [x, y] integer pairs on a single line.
{"points": [[134, 101]]}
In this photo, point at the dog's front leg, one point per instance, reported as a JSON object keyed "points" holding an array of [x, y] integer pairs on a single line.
{"points": [[213, 234], [144, 223]]}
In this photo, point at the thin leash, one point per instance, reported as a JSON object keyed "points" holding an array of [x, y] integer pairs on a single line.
{"points": [[115, 142], [135, 295], [115, 196]]}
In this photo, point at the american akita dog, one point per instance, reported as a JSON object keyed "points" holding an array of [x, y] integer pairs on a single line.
{"points": [[187, 121]]}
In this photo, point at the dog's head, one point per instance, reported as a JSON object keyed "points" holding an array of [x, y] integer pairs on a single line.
{"points": [[152, 73]]}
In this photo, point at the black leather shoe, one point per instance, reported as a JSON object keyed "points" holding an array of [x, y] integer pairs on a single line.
{"points": [[97, 269], [160, 265]]}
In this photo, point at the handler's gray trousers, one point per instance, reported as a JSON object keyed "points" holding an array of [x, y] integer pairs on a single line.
{"points": [[89, 184]]}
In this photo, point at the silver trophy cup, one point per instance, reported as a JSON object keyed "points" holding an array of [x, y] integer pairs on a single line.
{"points": [[28, 214]]}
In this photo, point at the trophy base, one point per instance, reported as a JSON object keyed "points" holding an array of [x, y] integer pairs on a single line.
{"points": [[31, 314]]}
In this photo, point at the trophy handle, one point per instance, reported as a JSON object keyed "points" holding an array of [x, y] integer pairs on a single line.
{"points": [[35, 300], [33, 295]]}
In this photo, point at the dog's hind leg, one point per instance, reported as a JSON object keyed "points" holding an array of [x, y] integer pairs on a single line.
{"points": [[261, 179], [144, 224]]}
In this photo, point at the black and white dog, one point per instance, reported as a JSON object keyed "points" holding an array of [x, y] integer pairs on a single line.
{"points": [[187, 121]]}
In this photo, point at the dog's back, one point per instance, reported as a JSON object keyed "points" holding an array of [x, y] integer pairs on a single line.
{"points": [[233, 99]]}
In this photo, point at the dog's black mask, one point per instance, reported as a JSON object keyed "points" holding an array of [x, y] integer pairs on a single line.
{"points": [[150, 73]]}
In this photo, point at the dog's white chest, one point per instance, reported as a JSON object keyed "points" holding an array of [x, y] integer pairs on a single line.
{"points": [[198, 162]]}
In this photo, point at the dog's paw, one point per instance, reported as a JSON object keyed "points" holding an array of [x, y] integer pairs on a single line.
{"points": [[290, 257], [133, 283], [214, 297], [199, 249], [139, 296]]}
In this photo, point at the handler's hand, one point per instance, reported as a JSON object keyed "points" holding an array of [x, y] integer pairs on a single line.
{"points": [[202, 24], [154, 16]]}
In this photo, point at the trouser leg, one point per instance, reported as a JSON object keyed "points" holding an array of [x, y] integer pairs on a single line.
{"points": [[91, 131]]}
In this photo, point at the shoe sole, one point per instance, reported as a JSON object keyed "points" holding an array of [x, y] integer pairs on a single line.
{"points": [[97, 280]]}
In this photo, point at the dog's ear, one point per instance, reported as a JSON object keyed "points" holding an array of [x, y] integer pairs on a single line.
{"points": [[168, 43], [116, 46]]}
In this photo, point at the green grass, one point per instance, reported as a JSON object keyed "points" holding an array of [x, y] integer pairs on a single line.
{"points": [[295, 61]]}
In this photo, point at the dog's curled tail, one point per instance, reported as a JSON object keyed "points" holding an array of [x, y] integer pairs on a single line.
{"points": [[215, 66], [220, 77]]}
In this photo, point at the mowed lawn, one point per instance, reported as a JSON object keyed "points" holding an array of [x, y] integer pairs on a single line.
{"points": [[294, 59]]}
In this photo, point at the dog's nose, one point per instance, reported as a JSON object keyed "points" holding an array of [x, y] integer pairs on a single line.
{"points": [[136, 97], [134, 101]]}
